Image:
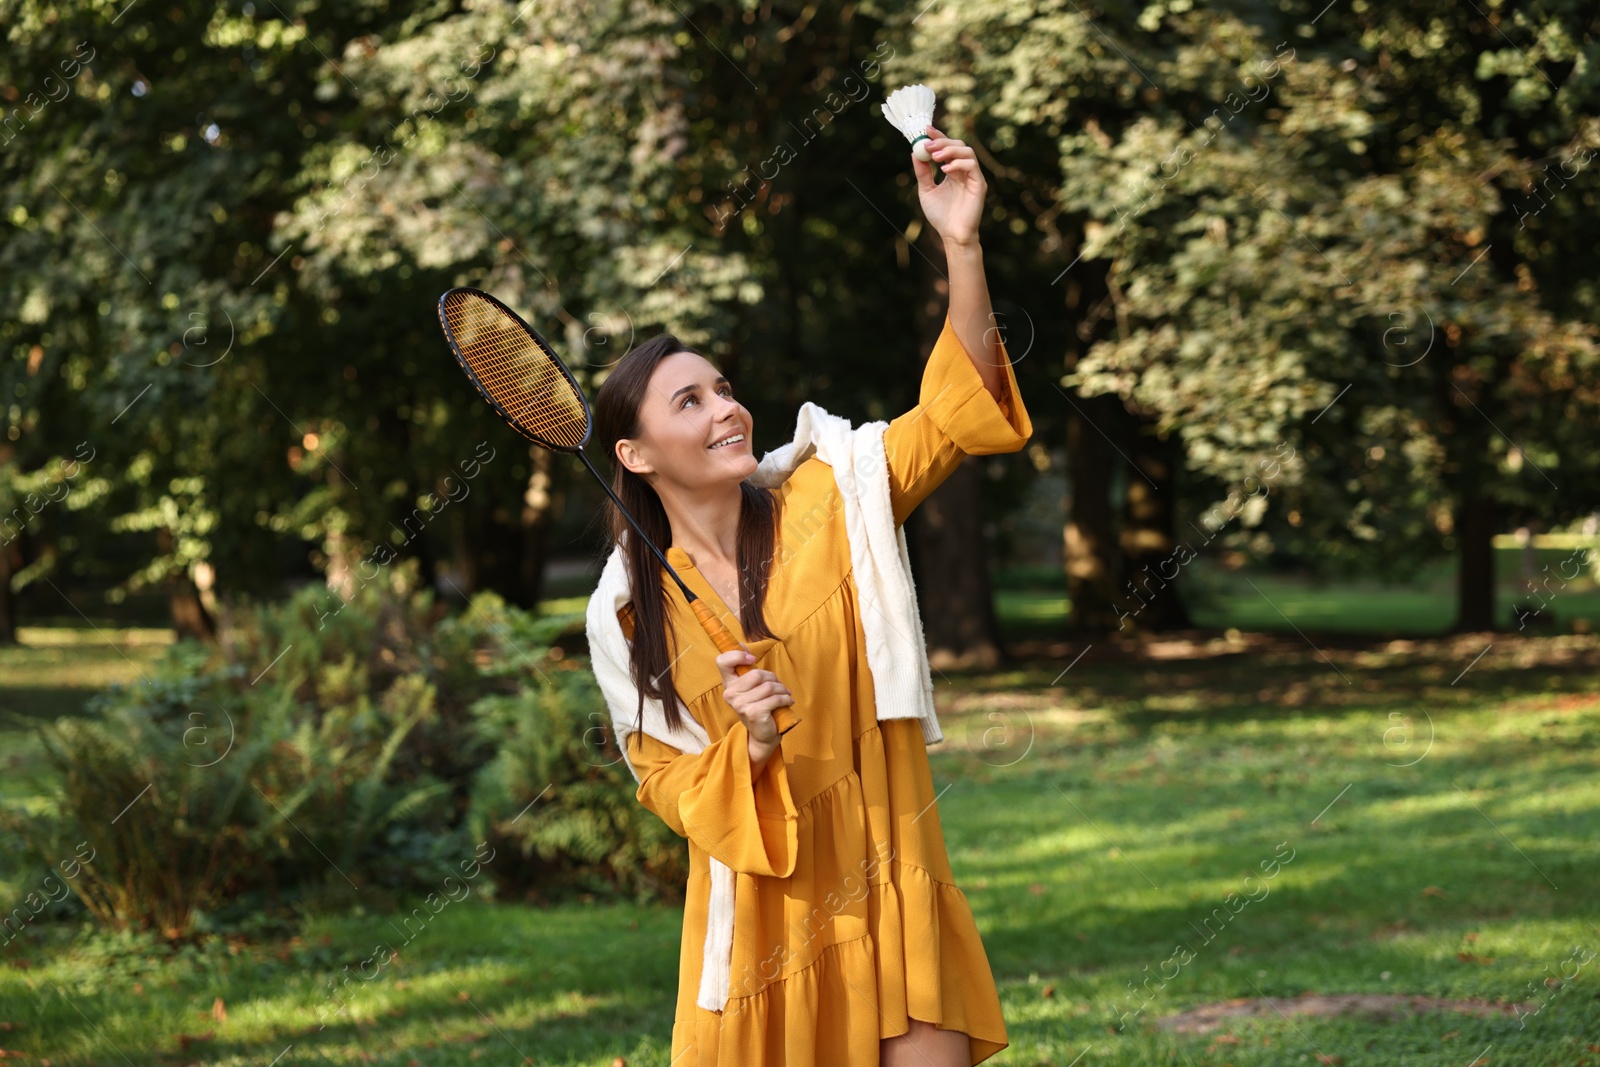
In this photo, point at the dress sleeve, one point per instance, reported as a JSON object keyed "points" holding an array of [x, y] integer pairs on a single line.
{"points": [[709, 798], [954, 417]]}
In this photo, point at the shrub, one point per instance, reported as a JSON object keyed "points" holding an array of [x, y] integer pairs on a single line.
{"points": [[197, 787], [557, 789], [324, 753]]}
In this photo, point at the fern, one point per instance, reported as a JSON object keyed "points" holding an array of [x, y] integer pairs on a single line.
{"points": [[371, 743]]}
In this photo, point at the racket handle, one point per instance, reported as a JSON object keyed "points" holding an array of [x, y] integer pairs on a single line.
{"points": [[785, 717]]}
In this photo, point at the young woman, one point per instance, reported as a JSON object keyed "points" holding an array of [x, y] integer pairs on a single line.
{"points": [[853, 945]]}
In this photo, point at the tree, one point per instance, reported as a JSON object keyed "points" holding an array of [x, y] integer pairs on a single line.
{"points": [[1291, 205]]}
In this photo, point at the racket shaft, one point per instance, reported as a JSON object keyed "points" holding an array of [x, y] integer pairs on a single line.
{"points": [[725, 642]]}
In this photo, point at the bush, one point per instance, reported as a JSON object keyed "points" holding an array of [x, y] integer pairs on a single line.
{"points": [[319, 757], [197, 787], [558, 790]]}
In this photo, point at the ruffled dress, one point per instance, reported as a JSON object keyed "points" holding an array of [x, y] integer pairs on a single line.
{"points": [[848, 921]]}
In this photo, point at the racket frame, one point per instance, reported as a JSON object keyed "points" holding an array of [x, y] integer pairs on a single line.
{"points": [[544, 346]]}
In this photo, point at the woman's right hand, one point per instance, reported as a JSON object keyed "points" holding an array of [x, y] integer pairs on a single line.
{"points": [[755, 695]]}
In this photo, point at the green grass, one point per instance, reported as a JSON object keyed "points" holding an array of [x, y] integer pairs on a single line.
{"points": [[1272, 603], [53, 670], [1442, 825], [1150, 793], [1031, 602]]}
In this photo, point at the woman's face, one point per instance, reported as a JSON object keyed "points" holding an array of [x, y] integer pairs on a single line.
{"points": [[688, 408]]}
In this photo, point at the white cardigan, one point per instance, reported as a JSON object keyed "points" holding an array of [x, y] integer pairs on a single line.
{"points": [[891, 622]]}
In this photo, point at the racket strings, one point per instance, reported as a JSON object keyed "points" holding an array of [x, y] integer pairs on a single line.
{"points": [[517, 372]]}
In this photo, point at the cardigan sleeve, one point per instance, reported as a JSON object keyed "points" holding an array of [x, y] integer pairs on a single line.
{"points": [[708, 797], [955, 417]]}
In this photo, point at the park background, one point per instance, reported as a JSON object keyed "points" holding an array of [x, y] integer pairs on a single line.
{"points": [[300, 759]]}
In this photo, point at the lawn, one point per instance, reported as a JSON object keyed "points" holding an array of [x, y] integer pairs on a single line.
{"points": [[1427, 815], [1031, 601], [55, 669]]}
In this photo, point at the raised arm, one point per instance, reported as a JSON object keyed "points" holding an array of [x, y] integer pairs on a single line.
{"points": [[954, 208], [954, 417]]}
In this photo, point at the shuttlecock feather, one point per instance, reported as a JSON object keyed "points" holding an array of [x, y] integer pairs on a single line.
{"points": [[910, 109]]}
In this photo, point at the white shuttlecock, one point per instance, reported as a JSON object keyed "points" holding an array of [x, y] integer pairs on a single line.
{"points": [[910, 109]]}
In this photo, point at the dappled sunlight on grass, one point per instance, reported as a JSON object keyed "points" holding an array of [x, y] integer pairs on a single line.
{"points": [[1394, 867], [52, 671], [1397, 839], [82, 638], [481, 980]]}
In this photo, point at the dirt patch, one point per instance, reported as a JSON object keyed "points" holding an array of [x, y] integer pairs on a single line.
{"points": [[1377, 1006]]}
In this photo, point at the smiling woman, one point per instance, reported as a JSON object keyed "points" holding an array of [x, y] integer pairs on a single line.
{"points": [[788, 957], [668, 418]]}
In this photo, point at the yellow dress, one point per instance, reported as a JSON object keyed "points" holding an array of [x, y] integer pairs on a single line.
{"points": [[848, 923]]}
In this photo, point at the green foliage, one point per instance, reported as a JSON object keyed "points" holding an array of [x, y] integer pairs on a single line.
{"points": [[332, 752], [27, 495], [1364, 232], [164, 835], [558, 789], [1249, 222]]}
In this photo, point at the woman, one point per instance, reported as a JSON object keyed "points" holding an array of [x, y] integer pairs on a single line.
{"points": [[852, 943]]}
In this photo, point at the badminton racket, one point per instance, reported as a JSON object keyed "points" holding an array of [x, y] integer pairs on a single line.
{"points": [[526, 383]]}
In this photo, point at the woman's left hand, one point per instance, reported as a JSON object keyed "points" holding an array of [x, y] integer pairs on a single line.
{"points": [[954, 206]]}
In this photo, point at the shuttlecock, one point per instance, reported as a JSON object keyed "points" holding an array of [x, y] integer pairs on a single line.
{"points": [[910, 109]]}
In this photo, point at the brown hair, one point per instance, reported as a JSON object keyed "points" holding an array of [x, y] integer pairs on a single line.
{"points": [[616, 416]]}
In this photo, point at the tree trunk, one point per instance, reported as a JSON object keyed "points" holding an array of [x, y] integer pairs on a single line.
{"points": [[1088, 537], [505, 547], [945, 533], [189, 616], [1089, 544], [8, 599], [538, 509], [1475, 591], [463, 570], [427, 559], [954, 594], [1149, 567]]}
